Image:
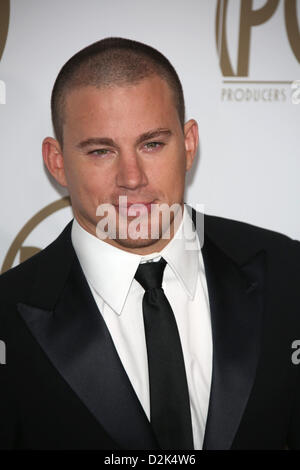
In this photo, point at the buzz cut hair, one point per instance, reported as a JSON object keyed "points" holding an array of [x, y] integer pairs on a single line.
{"points": [[112, 61]]}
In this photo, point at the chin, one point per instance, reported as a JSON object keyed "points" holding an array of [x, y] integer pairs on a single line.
{"points": [[130, 243]]}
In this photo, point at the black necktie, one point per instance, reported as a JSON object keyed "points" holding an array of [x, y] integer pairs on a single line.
{"points": [[169, 396]]}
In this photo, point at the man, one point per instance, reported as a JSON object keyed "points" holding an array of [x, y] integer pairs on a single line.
{"points": [[120, 340]]}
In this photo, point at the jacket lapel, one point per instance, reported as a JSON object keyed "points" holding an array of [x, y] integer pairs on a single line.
{"points": [[235, 288], [74, 336]]}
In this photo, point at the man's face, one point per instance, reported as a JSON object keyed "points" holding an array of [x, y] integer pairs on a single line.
{"points": [[123, 141]]}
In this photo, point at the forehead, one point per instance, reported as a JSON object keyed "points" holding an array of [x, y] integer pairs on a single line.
{"points": [[148, 103]]}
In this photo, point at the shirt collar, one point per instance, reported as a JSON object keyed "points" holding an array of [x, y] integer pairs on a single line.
{"points": [[182, 255], [111, 270]]}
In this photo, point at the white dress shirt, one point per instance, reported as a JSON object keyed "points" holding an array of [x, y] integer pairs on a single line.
{"points": [[110, 274]]}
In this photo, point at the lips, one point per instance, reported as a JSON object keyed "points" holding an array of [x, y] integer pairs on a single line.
{"points": [[134, 209]]}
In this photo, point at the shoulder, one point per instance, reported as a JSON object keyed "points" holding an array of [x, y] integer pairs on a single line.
{"points": [[231, 226], [242, 237], [19, 280]]}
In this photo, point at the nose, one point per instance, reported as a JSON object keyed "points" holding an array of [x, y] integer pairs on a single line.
{"points": [[130, 173]]}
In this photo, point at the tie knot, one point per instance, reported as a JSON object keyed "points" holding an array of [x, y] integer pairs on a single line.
{"points": [[150, 274]]}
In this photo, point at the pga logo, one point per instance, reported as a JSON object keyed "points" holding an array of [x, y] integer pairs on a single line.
{"points": [[295, 86]]}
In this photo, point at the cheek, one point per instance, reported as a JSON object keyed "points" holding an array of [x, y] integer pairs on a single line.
{"points": [[85, 175], [83, 186], [169, 176], [95, 185]]}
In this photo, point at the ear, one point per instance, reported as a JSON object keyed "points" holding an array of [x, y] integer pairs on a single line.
{"points": [[191, 142], [53, 159]]}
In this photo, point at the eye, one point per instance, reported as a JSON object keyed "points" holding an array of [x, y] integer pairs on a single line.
{"points": [[100, 152], [153, 145]]}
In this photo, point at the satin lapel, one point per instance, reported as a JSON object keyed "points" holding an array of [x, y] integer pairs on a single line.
{"points": [[77, 341], [236, 304], [235, 274]]}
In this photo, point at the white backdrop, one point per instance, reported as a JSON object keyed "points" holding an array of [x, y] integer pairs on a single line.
{"points": [[249, 163]]}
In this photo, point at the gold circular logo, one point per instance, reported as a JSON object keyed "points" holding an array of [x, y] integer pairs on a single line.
{"points": [[28, 251], [4, 22]]}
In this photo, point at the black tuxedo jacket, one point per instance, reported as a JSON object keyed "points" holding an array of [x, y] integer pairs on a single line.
{"points": [[64, 387]]}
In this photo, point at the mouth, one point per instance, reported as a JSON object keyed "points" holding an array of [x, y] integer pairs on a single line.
{"points": [[134, 208]]}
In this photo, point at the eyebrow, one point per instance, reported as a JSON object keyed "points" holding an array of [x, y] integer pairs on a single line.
{"points": [[110, 142]]}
